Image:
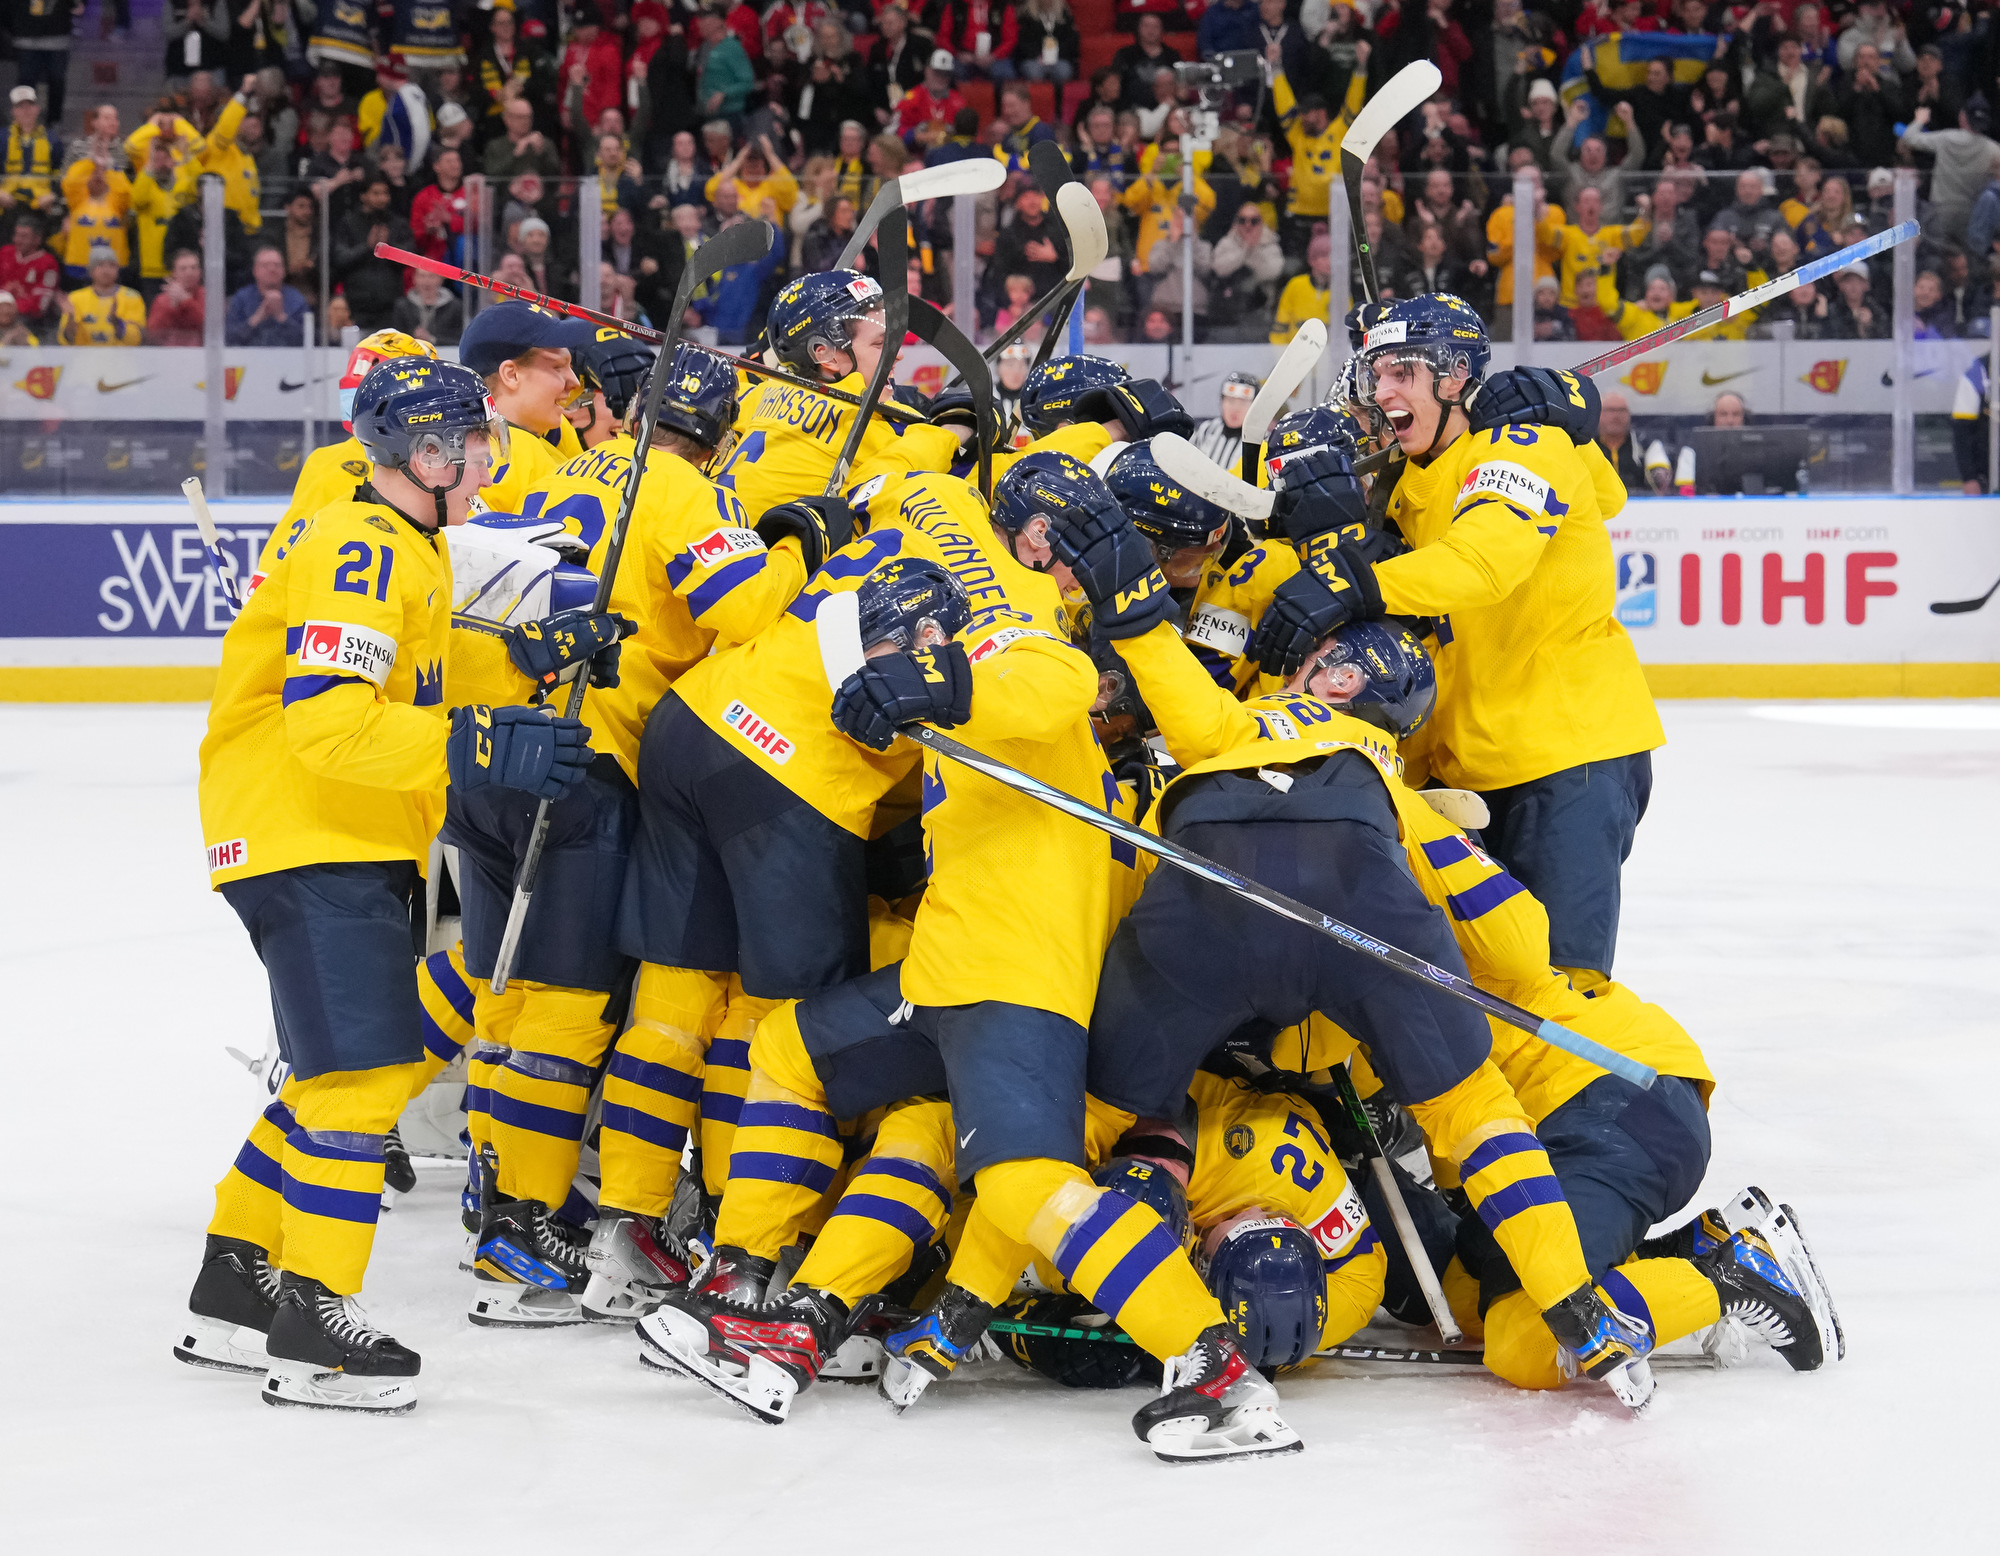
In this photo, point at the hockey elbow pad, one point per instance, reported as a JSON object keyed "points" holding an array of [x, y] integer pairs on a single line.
{"points": [[1144, 407], [932, 685], [547, 651], [821, 525], [1333, 588], [530, 749], [1545, 397]]}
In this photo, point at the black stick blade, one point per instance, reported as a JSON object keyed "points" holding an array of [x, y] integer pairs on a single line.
{"points": [[1048, 165], [931, 326]]}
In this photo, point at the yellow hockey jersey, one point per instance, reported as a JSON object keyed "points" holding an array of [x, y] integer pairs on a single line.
{"points": [[694, 575], [531, 460], [789, 439], [1228, 603], [326, 736], [328, 475], [1510, 554], [95, 320]]}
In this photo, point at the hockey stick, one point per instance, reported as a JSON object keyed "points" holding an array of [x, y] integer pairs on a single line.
{"points": [[1205, 478], [1087, 244], [1400, 96], [219, 561], [738, 245], [1293, 367], [970, 175], [1050, 165], [1728, 308], [1399, 1211], [1111, 1334], [838, 624], [938, 332], [629, 327], [1960, 607], [892, 251]]}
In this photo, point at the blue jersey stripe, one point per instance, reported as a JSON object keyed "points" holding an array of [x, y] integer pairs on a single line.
{"points": [[300, 687], [327, 1150], [450, 985], [774, 1167], [553, 1068], [258, 1168], [1147, 1255], [655, 1077], [1444, 852], [556, 1123], [908, 1171], [788, 1115], [1367, 1241], [316, 1199], [890, 1212], [718, 1107], [1083, 1235], [1627, 1298], [1499, 1147], [1502, 1205], [437, 1042], [641, 1125], [731, 1053], [724, 579], [1482, 899]]}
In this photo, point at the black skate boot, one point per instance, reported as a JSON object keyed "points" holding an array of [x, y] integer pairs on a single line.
{"points": [[732, 1275], [932, 1348], [532, 1268], [237, 1289], [325, 1355], [1599, 1341], [756, 1355], [398, 1175], [1214, 1405], [1770, 1288]]}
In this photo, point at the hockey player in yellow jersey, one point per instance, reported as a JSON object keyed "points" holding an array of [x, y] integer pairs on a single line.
{"points": [[323, 778], [523, 353], [972, 1015], [330, 474], [1542, 706], [826, 327]]}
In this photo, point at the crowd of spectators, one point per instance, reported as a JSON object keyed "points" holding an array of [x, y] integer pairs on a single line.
{"points": [[1760, 136]]}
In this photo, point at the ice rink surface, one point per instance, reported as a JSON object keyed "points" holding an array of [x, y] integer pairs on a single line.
{"points": [[1812, 894]]}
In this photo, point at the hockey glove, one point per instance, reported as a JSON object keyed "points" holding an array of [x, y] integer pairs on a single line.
{"points": [[1538, 395], [931, 685], [954, 407], [1141, 405], [822, 526], [530, 749], [547, 651], [1116, 569], [912, 396], [1333, 588]]}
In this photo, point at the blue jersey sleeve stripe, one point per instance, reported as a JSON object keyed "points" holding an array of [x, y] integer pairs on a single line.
{"points": [[908, 1171], [280, 1118], [301, 688], [732, 1053], [718, 1107], [776, 1167], [294, 636], [1220, 667], [641, 1125], [890, 1212], [1485, 897], [1445, 852], [1147, 1255], [717, 585], [439, 1043], [1497, 1149], [678, 570], [1365, 1243], [655, 1077], [1502, 1205]]}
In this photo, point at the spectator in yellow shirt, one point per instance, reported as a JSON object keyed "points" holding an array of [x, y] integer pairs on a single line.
{"points": [[1315, 135], [182, 138], [219, 154], [1549, 223], [155, 200], [103, 313], [99, 199], [1151, 198], [1308, 295], [758, 175]]}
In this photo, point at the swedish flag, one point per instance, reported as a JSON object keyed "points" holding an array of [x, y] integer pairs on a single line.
{"points": [[1621, 59]]}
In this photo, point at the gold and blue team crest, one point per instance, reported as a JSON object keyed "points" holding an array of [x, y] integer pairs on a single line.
{"points": [[1238, 1139]]}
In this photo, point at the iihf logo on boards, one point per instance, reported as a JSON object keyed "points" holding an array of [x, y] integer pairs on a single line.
{"points": [[1638, 588]]}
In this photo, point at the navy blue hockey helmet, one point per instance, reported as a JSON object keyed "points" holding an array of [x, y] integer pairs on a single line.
{"points": [[615, 364], [819, 310], [1041, 484], [1162, 509], [698, 399], [1266, 1273], [1151, 1185], [1065, 390], [411, 407], [1313, 444], [1398, 685], [900, 597], [1440, 331]]}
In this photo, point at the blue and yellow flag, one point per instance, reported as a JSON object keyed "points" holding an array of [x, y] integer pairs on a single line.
{"points": [[1622, 58]]}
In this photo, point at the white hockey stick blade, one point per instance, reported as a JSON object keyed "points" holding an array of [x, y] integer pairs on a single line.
{"points": [[1294, 366], [1087, 238], [1205, 478], [838, 623], [969, 175], [1461, 807], [1107, 457], [1401, 96]]}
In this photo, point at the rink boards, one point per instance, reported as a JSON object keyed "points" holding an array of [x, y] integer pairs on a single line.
{"points": [[1724, 597]]}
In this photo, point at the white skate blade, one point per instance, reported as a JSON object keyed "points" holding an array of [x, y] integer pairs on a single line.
{"points": [[1726, 1342], [1634, 1385], [389, 1197], [765, 1391], [1251, 1432], [610, 1300], [312, 1387], [498, 1306], [211, 1342], [1779, 1226], [859, 1359], [903, 1382]]}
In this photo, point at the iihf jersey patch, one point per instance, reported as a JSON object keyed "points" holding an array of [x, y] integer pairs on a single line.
{"points": [[1227, 632], [1005, 637], [754, 730], [340, 645], [228, 856], [1509, 482], [722, 544], [1340, 1225]]}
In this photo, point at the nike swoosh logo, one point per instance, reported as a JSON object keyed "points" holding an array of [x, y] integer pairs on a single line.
{"points": [[104, 388], [967, 1138], [1710, 380], [286, 386]]}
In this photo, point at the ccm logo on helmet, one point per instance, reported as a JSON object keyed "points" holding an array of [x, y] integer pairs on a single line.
{"points": [[427, 416]]}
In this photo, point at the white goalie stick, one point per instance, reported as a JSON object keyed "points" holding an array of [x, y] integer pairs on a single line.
{"points": [[971, 175], [219, 561], [1201, 475], [1088, 242], [837, 622], [1401, 95], [1294, 366]]}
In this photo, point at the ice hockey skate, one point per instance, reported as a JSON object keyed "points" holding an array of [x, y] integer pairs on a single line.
{"points": [[632, 1268], [757, 1356], [1758, 1296], [931, 1349], [530, 1267], [233, 1302], [1213, 1405], [325, 1355]]}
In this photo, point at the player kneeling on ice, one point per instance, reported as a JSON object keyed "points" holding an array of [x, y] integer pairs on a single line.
{"points": [[323, 778]]}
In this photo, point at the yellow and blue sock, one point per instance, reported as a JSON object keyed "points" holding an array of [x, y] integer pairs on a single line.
{"points": [[895, 1202], [652, 1089], [540, 1096], [332, 1172]]}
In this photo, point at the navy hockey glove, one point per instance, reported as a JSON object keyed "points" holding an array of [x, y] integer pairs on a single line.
{"points": [[1539, 395], [1141, 405], [954, 407], [931, 685], [1333, 588], [912, 396], [530, 749], [1116, 568], [545, 651], [822, 525]]}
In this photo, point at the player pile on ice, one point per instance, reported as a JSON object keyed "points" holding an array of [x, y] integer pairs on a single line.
{"points": [[826, 1054]]}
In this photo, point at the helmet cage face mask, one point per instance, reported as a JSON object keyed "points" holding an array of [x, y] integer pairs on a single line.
{"points": [[1443, 361]]}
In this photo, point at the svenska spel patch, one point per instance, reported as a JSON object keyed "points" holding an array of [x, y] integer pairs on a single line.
{"points": [[1509, 482], [719, 545], [341, 645], [1227, 632], [1335, 1230], [1006, 636]]}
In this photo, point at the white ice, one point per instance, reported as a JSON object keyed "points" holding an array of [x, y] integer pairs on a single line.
{"points": [[1812, 894]]}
